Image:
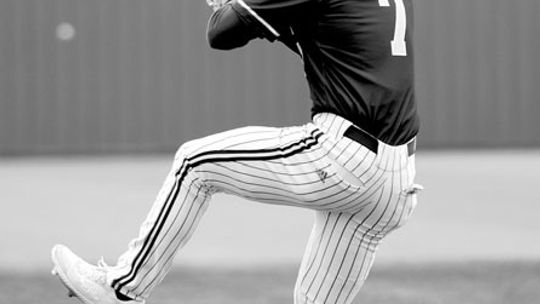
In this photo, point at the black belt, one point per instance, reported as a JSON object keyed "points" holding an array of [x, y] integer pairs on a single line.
{"points": [[370, 142]]}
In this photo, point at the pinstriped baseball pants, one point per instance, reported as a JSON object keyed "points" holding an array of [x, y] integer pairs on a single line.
{"points": [[358, 196]]}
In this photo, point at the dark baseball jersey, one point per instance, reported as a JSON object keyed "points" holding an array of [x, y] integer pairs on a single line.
{"points": [[358, 55]]}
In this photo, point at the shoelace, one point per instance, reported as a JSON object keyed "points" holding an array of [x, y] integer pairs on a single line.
{"points": [[101, 264], [97, 273]]}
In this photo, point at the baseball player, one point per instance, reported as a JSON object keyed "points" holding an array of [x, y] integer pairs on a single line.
{"points": [[353, 164]]}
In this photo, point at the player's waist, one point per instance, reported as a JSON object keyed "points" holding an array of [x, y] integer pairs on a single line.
{"points": [[393, 120], [338, 127]]}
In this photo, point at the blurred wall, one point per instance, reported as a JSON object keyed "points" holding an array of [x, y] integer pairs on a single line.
{"points": [[478, 69], [139, 76]]}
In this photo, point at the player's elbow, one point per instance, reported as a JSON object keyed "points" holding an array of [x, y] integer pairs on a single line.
{"points": [[222, 40], [217, 41], [226, 31]]}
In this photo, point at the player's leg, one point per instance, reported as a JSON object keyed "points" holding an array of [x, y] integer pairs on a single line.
{"points": [[281, 166], [342, 246], [271, 165], [300, 166], [290, 166], [336, 262]]}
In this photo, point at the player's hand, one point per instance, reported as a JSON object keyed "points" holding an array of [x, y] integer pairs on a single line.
{"points": [[217, 4]]}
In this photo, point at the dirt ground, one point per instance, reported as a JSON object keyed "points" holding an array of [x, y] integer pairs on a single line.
{"points": [[463, 283]]}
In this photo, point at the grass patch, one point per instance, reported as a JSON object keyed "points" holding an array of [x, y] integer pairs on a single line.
{"points": [[463, 283]]}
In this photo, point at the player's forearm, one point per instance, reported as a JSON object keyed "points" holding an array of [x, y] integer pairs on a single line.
{"points": [[227, 31]]}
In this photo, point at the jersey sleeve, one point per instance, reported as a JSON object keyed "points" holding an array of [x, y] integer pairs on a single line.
{"points": [[240, 21]]}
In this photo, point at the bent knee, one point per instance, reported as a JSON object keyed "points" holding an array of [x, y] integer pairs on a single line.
{"points": [[184, 151], [187, 151], [189, 167]]}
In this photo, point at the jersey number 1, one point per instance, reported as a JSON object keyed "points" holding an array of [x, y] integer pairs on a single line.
{"points": [[399, 47]]}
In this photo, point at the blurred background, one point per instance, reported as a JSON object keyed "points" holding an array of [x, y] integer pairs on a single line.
{"points": [[95, 97]]}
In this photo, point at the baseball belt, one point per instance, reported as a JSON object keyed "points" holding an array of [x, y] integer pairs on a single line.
{"points": [[370, 142]]}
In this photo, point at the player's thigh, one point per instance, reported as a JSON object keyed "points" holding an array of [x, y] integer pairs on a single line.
{"points": [[337, 260], [244, 138], [272, 165]]}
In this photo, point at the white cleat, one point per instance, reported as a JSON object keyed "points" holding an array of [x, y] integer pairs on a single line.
{"points": [[86, 282]]}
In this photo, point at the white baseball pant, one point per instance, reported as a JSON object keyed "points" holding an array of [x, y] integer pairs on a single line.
{"points": [[359, 197]]}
